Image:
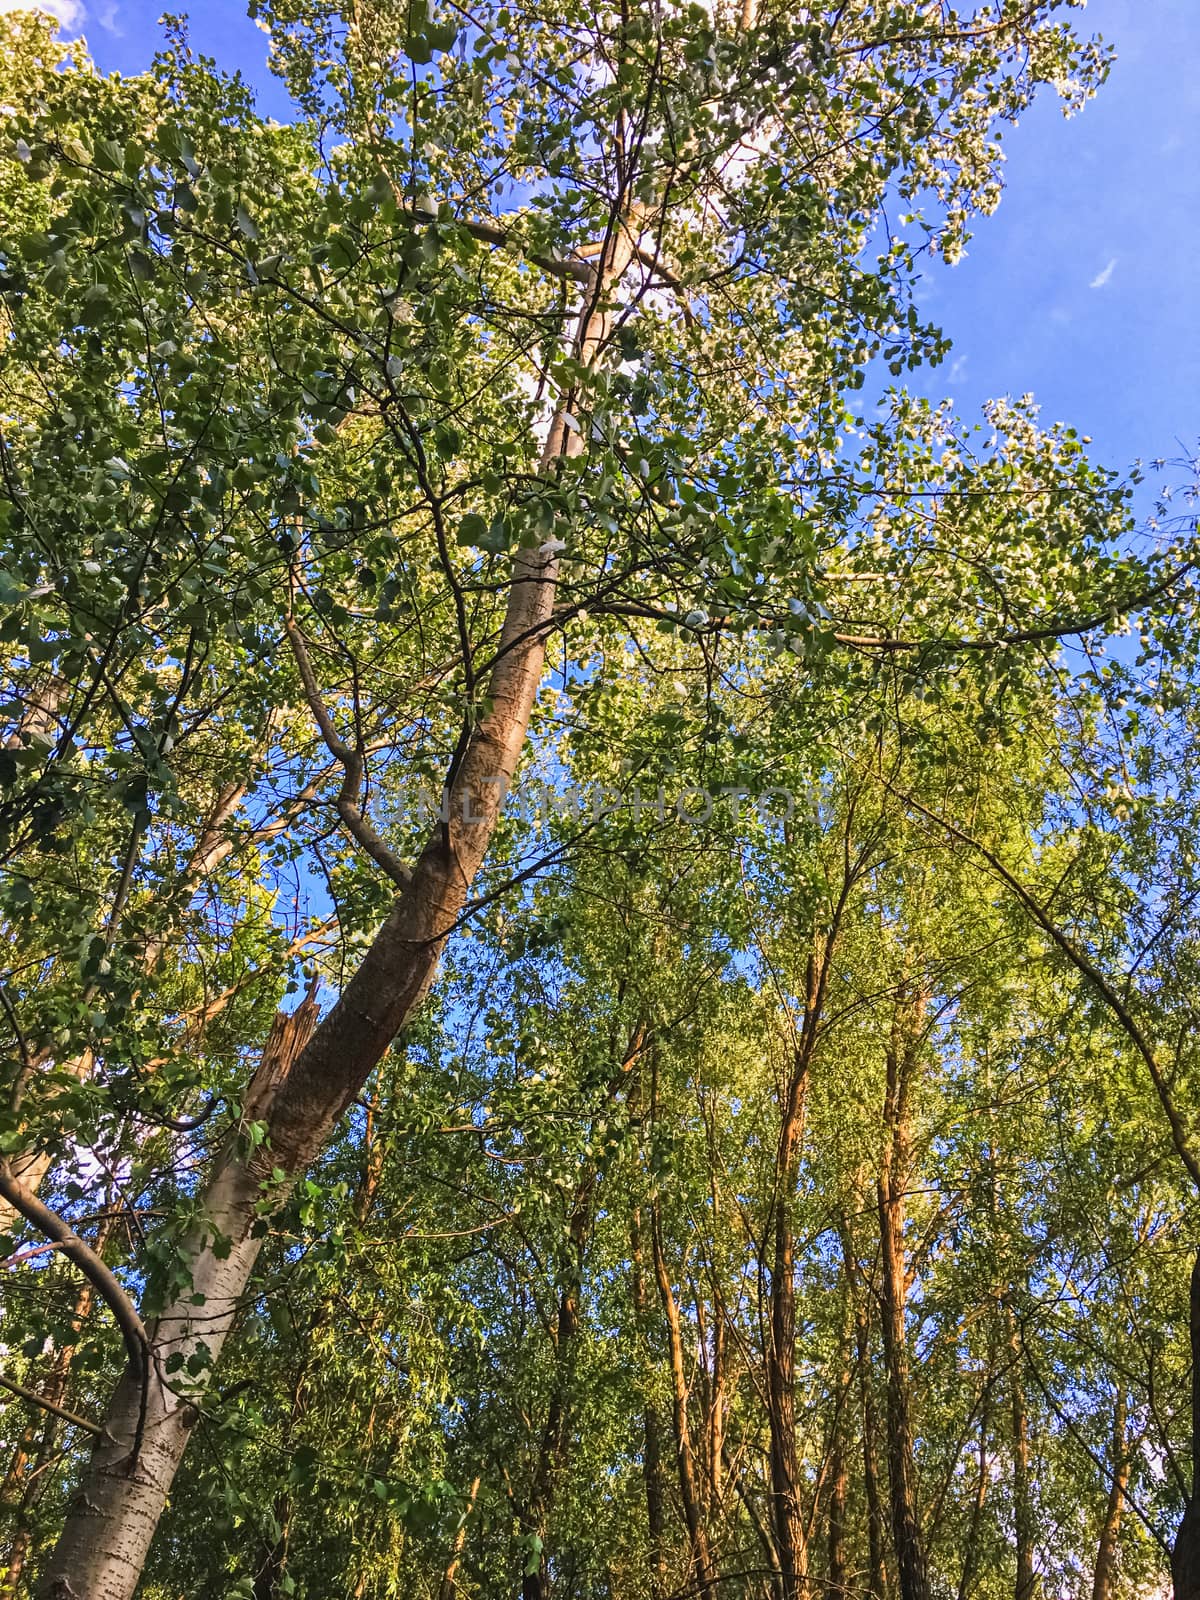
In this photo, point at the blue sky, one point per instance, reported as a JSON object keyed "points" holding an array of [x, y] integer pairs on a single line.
{"points": [[1083, 287]]}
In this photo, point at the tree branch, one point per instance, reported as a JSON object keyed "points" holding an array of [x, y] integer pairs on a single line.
{"points": [[98, 1274], [36, 1399], [1087, 968], [351, 761]]}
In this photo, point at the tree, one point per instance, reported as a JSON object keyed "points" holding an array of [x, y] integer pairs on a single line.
{"points": [[557, 348]]}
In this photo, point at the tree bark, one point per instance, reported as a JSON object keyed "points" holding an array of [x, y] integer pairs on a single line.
{"points": [[970, 1560], [651, 1437], [791, 1534], [893, 1178], [449, 1584], [1185, 1556], [552, 1450], [1023, 1521], [108, 1530], [839, 1482], [1104, 1578], [555, 1440], [837, 1581], [877, 1571], [689, 1492]]}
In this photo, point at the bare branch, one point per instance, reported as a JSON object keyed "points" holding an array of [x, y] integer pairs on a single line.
{"points": [[350, 758]]}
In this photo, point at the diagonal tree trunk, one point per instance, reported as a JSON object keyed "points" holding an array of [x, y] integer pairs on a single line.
{"points": [[449, 1584], [108, 1530]]}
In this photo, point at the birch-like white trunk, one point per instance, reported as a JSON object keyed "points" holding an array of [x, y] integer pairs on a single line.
{"points": [[114, 1514]]}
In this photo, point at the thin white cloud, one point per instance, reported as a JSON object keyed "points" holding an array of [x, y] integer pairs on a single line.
{"points": [[1101, 278], [68, 12], [107, 18]]}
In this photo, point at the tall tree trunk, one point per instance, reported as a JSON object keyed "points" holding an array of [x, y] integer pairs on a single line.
{"points": [[1185, 1556], [839, 1466], [555, 1440], [552, 1449], [651, 1439], [970, 1560], [787, 1516], [839, 1482], [876, 1518], [715, 1434], [273, 1554], [449, 1584], [893, 1179], [1104, 1579], [108, 1530], [1023, 1520], [689, 1491], [712, 1338]]}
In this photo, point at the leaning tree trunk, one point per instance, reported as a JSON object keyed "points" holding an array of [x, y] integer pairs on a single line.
{"points": [[116, 1509], [449, 1584]]}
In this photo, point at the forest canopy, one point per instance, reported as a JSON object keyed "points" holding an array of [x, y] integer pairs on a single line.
{"points": [[599, 904]]}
